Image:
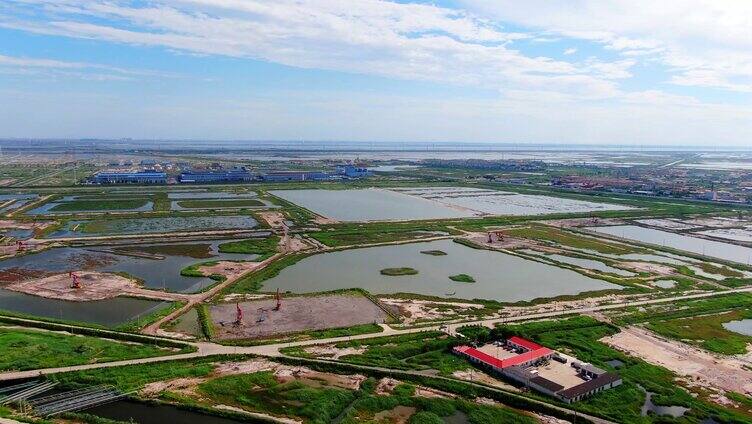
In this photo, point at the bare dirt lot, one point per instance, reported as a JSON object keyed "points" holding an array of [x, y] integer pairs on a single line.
{"points": [[274, 219], [231, 270], [424, 310], [702, 368], [94, 286], [296, 314]]}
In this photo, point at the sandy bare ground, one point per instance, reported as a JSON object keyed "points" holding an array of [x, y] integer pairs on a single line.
{"points": [[481, 377], [274, 219], [648, 267], [322, 220], [331, 351], [397, 415], [6, 181], [94, 286], [506, 243], [296, 314], [229, 269], [702, 368], [413, 310], [387, 384]]}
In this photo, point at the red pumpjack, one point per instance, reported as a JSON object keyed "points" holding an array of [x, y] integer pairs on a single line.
{"points": [[238, 314], [20, 246], [76, 284], [279, 301]]}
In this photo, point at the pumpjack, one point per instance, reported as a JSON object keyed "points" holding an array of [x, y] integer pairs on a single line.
{"points": [[279, 301], [238, 314]]}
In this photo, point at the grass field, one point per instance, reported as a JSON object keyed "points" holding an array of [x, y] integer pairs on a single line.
{"points": [[99, 205], [265, 247], [25, 349], [707, 331], [218, 204], [420, 351]]}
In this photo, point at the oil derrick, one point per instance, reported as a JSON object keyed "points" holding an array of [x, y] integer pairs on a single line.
{"points": [[238, 314], [279, 301], [490, 240]]}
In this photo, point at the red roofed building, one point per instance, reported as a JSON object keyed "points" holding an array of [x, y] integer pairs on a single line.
{"points": [[520, 343], [532, 354]]}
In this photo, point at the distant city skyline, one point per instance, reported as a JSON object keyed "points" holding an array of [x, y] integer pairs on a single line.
{"points": [[481, 71]]}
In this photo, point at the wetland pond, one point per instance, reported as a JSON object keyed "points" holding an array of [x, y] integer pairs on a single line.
{"points": [[109, 312], [742, 326], [729, 252], [142, 413], [498, 276], [154, 225], [158, 264]]}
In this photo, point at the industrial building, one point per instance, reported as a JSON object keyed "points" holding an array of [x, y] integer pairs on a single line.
{"points": [[234, 175], [352, 171], [283, 176], [140, 177], [541, 369]]}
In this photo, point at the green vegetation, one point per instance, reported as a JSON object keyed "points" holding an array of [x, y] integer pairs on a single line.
{"points": [[720, 270], [419, 351], [265, 247], [104, 204], [348, 234], [218, 204], [260, 391], [579, 336], [434, 252], [566, 238], [193, 271], [462, 278], [682, 309], [707, 331], [252, 282], [26, 349], [134, 377], [136, 324], [205, 321], [395, 272]]}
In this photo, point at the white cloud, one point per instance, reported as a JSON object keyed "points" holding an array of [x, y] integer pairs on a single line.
{"points": [[570, 51], [81, 70], [376, 37], [705, 43]]}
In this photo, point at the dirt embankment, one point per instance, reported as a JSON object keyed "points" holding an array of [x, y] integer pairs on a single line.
{"points": [[93, 286]]}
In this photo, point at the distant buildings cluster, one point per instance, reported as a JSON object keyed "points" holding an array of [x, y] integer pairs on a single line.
{"points": [[217, 174]]}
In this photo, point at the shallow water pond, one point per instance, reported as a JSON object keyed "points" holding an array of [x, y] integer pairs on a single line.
{"points": [[729, 252], [109, 312], [742, 326], [369, 205], [498, 276]]}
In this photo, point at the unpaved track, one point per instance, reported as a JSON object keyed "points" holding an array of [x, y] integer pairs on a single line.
{"points": [[272, 350], [197, 298]]}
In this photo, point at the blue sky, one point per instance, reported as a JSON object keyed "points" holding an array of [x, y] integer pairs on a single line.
{"points": [[609, 71]]}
